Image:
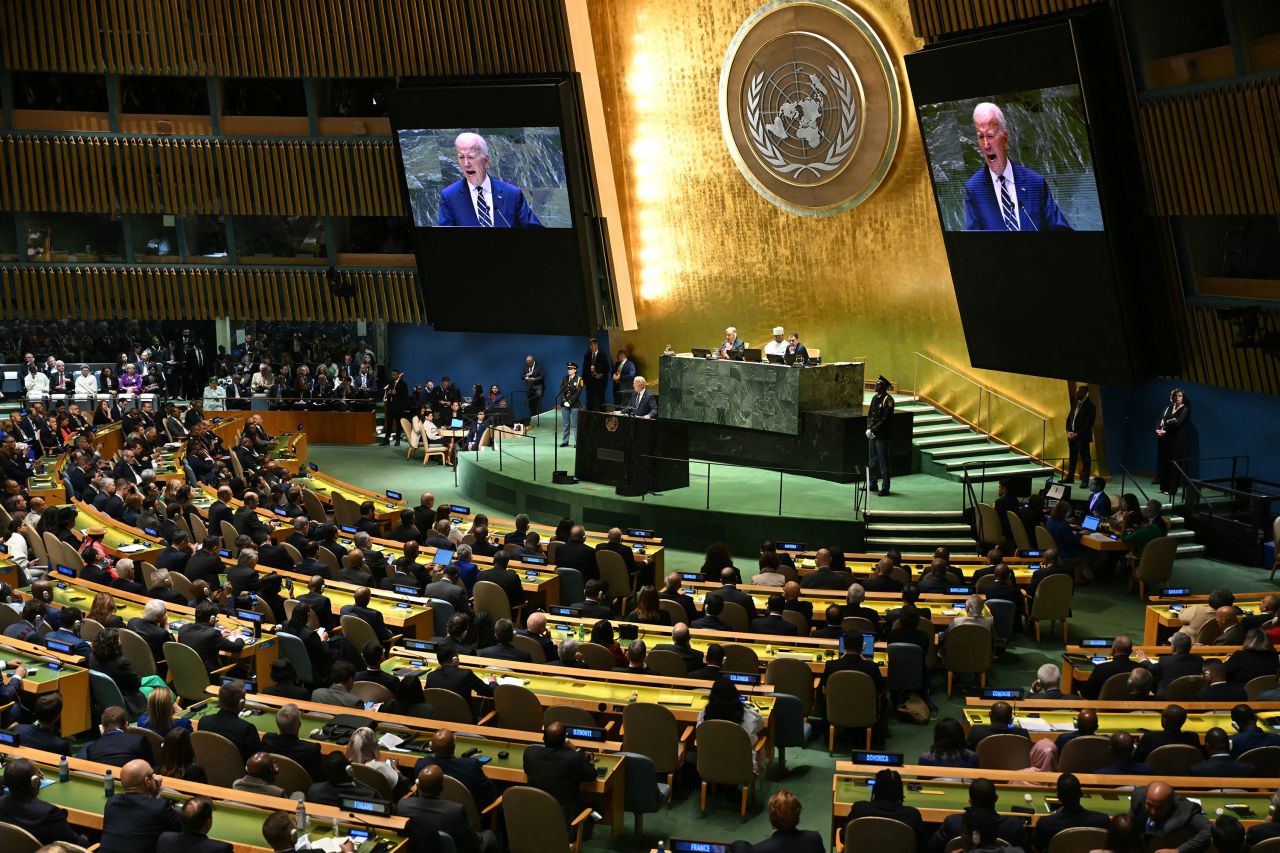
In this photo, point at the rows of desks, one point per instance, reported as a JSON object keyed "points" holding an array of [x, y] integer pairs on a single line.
{"points": [[49, 671], [1078, 662], [1048, 718], [937, 799], [1162, 621], [237, 816], [504, 748]]}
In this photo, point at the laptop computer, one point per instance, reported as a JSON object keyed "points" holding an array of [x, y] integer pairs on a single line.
{"points": [[1090, 523], [752, 355], [774, 358], [698, 352], [455, 424], [737, 355]]}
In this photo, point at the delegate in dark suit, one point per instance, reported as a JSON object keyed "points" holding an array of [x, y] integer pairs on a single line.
{"points": [[45, 821], [183, 842], [1037, 210], [510, 208], [306, 753], [207, 641], [469, 772], [508, 580], [132, 823], [34, 737], [117, 748], [448, 817], [1067, 817], [373, 617], [240, 732], [784, 841], [559, 771], [1080, 435], [580, 556]]}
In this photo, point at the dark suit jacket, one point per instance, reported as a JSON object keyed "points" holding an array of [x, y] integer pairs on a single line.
{"points": [[628, 556], [646, 406], [548, 645], [504, 652], [1224, 766], [983, 730], [355, 576], [1009, 827], [508, 580], [854, 663], [244, 579], [592, 610], [893, 811], [1003, 506], [153, 634], [133, 823], [207, 641], [117, 749], [827, 579], [580, 556], [240, 732], [245, 521], [732, 593], [181, 842], [373, 617], [332, 795], [785, 841], [306, 753], [1252, 738], [1103, 671], [469, 772], [685, 601], [881, 583], [559, 772], [448, 817], [174, 560], [1082, 414], [45, 821], [1066, 818], [1037, 211], [206, 566], [691, 656], [445, 591], [458, 680], [710, 623], [510, 209], [31, 735], [274, 556], [1225, 691], [1151, 741], [321, 606], [771, 623]]}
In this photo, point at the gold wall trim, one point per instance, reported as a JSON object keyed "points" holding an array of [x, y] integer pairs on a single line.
{"points": [[285, 38], [934, 18], [96, 174], [100, 292], [1245, 176]]}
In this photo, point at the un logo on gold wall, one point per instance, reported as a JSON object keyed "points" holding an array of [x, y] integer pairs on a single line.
{"points": [[809, 105]]}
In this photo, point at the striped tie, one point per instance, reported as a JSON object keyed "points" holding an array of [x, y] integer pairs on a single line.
{"points": [[482, 208], [1006, 207]]}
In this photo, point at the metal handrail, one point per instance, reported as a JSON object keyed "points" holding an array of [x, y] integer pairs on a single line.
{"points": [[982, 390], [1125, 474]]}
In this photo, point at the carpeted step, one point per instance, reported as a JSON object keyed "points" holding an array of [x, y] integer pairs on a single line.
{"points": [[918, 531], [978, 448], [877, 542], [951, 427], [991, 461], [951, 440]]}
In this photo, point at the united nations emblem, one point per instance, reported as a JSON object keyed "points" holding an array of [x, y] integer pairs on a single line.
{"points": [[611, 424], [809, 105]]}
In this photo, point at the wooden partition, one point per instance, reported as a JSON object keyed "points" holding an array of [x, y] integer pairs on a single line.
{"points": [[322, 427]]}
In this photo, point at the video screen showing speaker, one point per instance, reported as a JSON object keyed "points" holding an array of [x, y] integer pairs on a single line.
{"points": [[1018, 162], [494, 175], [1031, 150], [475, 177]]}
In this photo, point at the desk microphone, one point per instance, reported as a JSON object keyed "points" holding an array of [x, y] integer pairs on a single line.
{"points": [[498, 210]]}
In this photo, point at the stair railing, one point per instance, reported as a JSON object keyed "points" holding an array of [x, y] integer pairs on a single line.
{"points": [[974, 405]]}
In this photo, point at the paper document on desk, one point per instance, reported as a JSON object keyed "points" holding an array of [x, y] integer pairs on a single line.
{"points": [[1033, 724], [327, 843], [392, 742], [131, 548], [511, 679], [675, 699], [1062, 727]]}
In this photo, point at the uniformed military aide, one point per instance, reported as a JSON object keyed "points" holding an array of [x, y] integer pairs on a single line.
{"points": [[878, 435], [569, 399]]}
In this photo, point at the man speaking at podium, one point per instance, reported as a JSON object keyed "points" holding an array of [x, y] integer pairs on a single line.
{"points": [[643, 404], [1003, 195], [479, 200]]}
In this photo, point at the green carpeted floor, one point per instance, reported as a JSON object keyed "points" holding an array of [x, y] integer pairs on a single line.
{"points": [[1104, 608]]}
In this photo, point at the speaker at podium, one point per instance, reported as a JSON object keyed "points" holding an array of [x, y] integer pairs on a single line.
{"points": [[634, 455]]}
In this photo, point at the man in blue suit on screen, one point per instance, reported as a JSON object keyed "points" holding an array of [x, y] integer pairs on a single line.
{"points": [[1006, 196], [480, 200]]}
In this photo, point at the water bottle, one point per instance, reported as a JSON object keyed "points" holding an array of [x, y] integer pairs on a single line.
{"points": [[108, 785], [300, 818], [662, 846], [64, 770], [337, 831]]}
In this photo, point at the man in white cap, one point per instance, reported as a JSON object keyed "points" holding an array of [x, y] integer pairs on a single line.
{"points": [[777, 346]]}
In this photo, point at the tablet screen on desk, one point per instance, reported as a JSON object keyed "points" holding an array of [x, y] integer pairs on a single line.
{"points": [[1090, 523]]}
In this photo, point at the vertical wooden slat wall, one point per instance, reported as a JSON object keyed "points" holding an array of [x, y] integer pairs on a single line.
{"points": [[1242, 121], [935, 18], [288, 38]]}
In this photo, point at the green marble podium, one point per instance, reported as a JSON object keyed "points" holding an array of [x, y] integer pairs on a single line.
{"points": [[759, 396]]}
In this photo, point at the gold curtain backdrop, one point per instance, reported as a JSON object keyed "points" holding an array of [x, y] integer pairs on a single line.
{"points": [[706, 251]]}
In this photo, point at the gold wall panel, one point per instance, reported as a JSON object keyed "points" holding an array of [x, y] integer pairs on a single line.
{"points": [[707, 251], [933, 18]]}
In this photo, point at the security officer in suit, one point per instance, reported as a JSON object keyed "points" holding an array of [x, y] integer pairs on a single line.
{"points": [[533, 385], [559, 769], [23, 807], [878, 418], [569, 399], [1080, 435], [595, 373]]}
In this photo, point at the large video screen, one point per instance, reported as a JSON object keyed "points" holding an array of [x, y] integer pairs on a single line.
{"points": [[473, 177], [1016, 162], [1031, 149], [494, 174]]}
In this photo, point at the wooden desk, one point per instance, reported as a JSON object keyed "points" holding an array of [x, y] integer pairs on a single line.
{"points": [[1103, 543], [259, 653], [813, 651], [72, 681], [606, 792], [1160, 621], [237, 815], [937, 799], [1077, 661], [942, 608], [1119, 716], [121, 540]]}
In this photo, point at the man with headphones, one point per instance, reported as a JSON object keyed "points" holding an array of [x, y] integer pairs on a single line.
{"points": [[132, 822], [23, 807], [44, 732], [226, 721]]}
